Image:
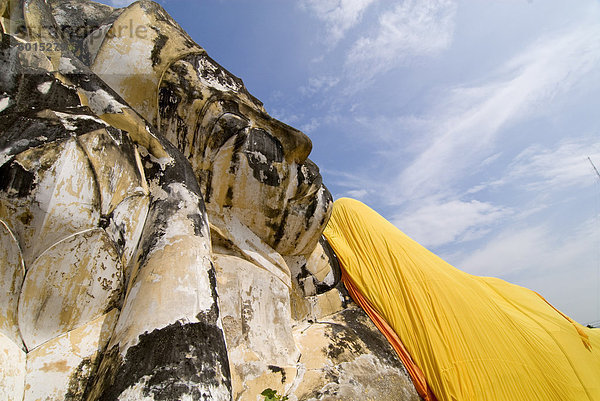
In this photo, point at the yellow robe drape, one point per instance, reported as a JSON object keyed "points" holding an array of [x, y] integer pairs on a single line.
{"points": [[473, 338]]}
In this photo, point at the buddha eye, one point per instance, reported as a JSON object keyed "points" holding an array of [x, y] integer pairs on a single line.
{"points": [[261, 144], [263, 151]]}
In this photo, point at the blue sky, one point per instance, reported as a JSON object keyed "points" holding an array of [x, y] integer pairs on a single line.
{"points": [[468, 124]]}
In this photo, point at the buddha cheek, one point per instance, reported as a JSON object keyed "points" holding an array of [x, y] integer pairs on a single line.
{"points": [[283, 203], [251, 188], [259, 199]]}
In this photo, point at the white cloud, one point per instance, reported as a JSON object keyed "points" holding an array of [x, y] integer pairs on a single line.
{"points": [[471, 118], [559, 168], [412, 27], [319, 84], [338, 15], [359, 194], [284, 115], [508, 252], [439, 223], [351, 185], [310, 126], [535, 249], [386, 131]]}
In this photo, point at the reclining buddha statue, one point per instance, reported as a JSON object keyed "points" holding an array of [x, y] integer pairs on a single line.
{"points": [[161, 233]]}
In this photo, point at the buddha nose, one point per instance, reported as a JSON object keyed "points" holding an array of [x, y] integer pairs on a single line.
{"points": [[296, 145]]}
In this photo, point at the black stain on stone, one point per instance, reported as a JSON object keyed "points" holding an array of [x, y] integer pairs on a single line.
{"points": [[213, 313], [9, 64], [207, 185], [183, 84], [198, 222], [161, 209], [238, 144], [310, 212], [358, 336], [228, 125], [263, 151], [22, 131], [343, 340], [15, 181], [375, 342], [308, 174], [79, 382], [280, 228], [30, 96], [159, 44], [172, 362], [228, 197], [159, 218], [181, 132], [277, 369], [104, 222], [320, 287], [168, 101], [335, 268], [302, 276]]}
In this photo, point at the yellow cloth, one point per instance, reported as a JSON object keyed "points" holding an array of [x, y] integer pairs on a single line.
{"points": [[474, 338]]}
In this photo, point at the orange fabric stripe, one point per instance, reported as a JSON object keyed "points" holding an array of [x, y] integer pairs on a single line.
{"points": [[415, 373]]}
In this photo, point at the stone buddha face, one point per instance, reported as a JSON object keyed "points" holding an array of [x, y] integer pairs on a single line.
{"points": [[251, 166]]}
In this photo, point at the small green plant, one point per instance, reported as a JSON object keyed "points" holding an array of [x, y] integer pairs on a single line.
{"points": [[271, 395]]}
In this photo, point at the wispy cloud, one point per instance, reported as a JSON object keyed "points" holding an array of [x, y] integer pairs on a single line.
{"points": [[319, 84], [412, 27], [460, 137], [441, 222], [471, 118], [352, 185], [359, 194], [284, 115], [339, 15], [310, 126], [494, 259], [565, 166]]}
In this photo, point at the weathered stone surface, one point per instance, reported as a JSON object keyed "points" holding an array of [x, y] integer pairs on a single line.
{"points": [[139, 38], [107, 240], [73, 282], [161, 233], [257, 321], [61, 368], [13, 361], [11, 280], [50, 203], [345, 357]]}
